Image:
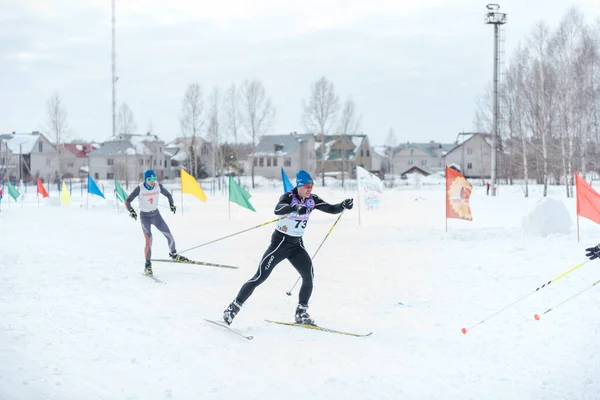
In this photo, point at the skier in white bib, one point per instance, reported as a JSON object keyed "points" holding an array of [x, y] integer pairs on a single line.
{"points": [[286, 243], [148, 193]]}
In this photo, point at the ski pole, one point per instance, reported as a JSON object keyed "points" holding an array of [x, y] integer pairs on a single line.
{"points": [[537, 316], [465, 330], [318, 248], [233, 234]]}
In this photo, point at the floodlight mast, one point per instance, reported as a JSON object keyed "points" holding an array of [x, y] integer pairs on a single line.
{"points": [[495, 18]]}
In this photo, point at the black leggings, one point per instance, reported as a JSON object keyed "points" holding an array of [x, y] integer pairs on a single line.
{"points": [[282, 247]]}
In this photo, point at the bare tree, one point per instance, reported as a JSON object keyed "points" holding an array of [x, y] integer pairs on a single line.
{"points": [[214, 134], [191, 123], [57, 125], [320, 112], [257, 113], [126, 120], [231, 109], [349, 125], [391, 141]]}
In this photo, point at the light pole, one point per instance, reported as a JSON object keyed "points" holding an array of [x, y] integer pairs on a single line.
{"points": [[114, 77], [495, 18]]}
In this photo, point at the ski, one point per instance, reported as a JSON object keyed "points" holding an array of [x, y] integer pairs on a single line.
{"points": [[320, 328], [155, 279], [224, 325], [196, 263]]}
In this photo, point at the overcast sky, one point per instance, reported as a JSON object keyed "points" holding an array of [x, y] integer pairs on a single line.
{"points": [[414, 66]]}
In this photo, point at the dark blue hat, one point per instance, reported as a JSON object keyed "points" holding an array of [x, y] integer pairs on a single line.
{"points": [[148, 173], [303, 178]]}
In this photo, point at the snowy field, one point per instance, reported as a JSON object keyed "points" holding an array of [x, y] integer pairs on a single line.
{"points": [[78, 320]]}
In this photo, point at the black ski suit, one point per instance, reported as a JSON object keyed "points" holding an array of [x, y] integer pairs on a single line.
{"points": [[286, 243]]}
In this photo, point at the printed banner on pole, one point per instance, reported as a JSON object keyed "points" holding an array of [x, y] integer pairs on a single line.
{"points": [[370, 189], [458, 192]]}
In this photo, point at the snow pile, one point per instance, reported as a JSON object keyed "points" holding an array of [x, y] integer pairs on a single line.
{"points": [[549, 216]]}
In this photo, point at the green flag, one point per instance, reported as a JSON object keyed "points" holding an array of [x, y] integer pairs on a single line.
{"points": [[14, 193], [121, 194], [239, 195]]}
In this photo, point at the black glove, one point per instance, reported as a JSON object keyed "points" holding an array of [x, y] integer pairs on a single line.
{"points": [[348, 204], [173, 208], [132, 214], [300, 209], [592, 252]]}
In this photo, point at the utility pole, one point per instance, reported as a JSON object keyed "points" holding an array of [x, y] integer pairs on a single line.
{"points": [[495, 18]]}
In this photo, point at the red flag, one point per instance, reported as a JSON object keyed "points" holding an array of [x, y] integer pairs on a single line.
{"points": [[41, 188], [588, 200], [458, 192]]}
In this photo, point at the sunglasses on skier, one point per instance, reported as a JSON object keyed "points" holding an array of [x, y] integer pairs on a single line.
{"points": [[151, 179]]}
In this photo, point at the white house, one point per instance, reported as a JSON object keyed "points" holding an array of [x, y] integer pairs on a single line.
{"points": [[125, 157], [292, 152], [426, 157], [473, 153], [32, 154]]}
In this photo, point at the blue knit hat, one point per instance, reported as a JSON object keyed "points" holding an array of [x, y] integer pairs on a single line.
{"points": [[303, 178], [148, 173]]}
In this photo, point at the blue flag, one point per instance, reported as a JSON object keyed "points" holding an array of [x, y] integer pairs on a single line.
{"points": [[287, 185], [93, 188]]}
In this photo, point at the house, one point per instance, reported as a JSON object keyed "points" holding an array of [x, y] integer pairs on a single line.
{"points": [[7, 167], [472, 152], [342, 154], [74, 159], [427, 156], [177, 157], [292, 152], [125, 157], [32, 154], [380, 160]]}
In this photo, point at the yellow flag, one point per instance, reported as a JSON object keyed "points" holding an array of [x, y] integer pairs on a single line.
{"points": [[65, 197], [191, 186]]}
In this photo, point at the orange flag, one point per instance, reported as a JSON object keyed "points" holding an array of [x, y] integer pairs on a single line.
{"points": [[458, 191], [41, 188], [588, 200]]}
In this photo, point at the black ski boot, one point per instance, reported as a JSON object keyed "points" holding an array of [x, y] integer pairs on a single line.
{"points": [[179, 258], [148, 268], [231, 311], [302, 316]]}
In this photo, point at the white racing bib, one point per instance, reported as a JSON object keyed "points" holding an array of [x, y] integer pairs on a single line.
{"points": [[148, 199], [294, 224]]}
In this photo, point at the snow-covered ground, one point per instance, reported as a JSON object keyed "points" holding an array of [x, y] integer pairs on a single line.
{"points": [[79, 321]]}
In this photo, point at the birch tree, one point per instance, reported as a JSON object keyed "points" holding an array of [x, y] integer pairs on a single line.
{"points": [[57, 126], [232, 118], [214, 133], [391, 141], [320, 112]]}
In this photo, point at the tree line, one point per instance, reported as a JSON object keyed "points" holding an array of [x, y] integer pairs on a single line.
{"points": [[549, 105]]}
